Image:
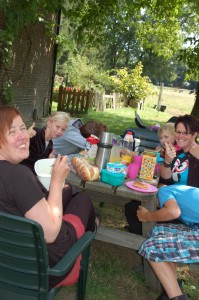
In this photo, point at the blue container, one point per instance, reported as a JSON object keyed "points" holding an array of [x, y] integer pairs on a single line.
{"points": [[116, 167], [114, 179]]}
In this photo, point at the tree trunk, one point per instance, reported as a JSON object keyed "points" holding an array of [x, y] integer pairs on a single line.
{"points": [[160, 96], [195, 109], [125, 100]]}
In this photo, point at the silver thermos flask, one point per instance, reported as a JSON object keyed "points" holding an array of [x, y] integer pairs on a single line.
{"points": [[104, 150]]}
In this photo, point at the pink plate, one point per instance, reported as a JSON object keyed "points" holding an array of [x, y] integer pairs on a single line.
{"points": [[152, 189]]}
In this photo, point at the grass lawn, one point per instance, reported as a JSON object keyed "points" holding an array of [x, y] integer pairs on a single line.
{"points": [[117, 121], [112, 273]]}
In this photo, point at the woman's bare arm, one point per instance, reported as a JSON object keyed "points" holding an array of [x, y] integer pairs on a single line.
{"points": [[49, 213]]}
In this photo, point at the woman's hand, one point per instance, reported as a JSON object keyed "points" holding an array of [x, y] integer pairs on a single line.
{"points": [[194, 149], [60, 169]]}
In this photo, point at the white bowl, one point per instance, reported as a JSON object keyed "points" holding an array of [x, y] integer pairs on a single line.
{"points": [[43, 169]]}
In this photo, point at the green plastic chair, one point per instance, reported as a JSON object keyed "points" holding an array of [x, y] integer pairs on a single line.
{"points": [[24, 266]]}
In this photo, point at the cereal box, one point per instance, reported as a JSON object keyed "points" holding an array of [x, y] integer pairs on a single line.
{"points": [[148, 166]]}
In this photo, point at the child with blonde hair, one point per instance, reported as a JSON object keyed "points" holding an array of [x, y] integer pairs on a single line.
{"points": [[166, 134], [41, 144]]}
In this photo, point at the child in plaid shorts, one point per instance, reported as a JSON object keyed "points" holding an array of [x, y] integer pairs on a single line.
{"points": [[169, 243]]}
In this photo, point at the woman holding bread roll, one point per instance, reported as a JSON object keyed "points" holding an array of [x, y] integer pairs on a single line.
{"points": [[63, 216]]}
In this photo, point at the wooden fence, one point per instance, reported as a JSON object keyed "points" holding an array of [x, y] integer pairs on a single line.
{"points": [[114, 101], [103, 101], [78, 102], [74, 101]]}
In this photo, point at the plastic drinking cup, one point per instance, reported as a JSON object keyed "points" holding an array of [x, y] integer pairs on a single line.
{"points": [[157, 168], [133, 170], [137, 160]]}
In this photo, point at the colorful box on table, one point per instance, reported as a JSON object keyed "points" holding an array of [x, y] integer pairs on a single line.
{"points": [[148, 165]]}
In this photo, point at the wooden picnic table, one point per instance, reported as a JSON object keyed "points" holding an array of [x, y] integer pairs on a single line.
{"points": [[121, 195]]}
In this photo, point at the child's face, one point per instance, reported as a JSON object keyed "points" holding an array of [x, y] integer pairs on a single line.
{"points": [[166, 136]]}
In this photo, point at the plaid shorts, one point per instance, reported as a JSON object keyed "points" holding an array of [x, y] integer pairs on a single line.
{"points": [[172, 243]]}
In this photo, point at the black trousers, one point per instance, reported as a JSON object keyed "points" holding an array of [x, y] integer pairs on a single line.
{"points": [[135, 226], [79, 204]]}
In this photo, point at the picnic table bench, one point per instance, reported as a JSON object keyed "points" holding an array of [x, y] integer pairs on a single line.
{"points": [[121, 195]]}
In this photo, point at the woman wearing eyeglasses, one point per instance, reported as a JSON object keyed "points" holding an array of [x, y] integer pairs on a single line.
{"points": [[182, 167]]}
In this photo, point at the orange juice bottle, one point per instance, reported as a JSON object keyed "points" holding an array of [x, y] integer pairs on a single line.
{"points": [[115, 152], [128, 144]]}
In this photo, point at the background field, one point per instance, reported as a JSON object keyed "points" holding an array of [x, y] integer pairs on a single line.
{"points": [[176, 104], [113, 270]]}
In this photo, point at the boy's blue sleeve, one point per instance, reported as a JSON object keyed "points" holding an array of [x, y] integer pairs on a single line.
{"points": [[164, 194]]}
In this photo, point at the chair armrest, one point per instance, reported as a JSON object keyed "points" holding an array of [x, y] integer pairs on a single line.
{"points": [[70, 257]]}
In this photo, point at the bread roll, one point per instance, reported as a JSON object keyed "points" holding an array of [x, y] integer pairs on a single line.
{"points": [[94, 171], [84, 169], [141, 185]]}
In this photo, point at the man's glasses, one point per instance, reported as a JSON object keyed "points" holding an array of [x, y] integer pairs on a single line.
{"points": [[183, 133]]}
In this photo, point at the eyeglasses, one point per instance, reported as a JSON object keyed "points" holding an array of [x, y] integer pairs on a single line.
{"points": [[183, 133]]}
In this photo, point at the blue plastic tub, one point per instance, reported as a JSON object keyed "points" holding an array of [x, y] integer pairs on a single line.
{"points": [[114, 179]]}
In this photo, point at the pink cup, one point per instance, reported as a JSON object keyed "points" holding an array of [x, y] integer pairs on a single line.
{"points": [[157, 168], [133, 170], [137, 160]]}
